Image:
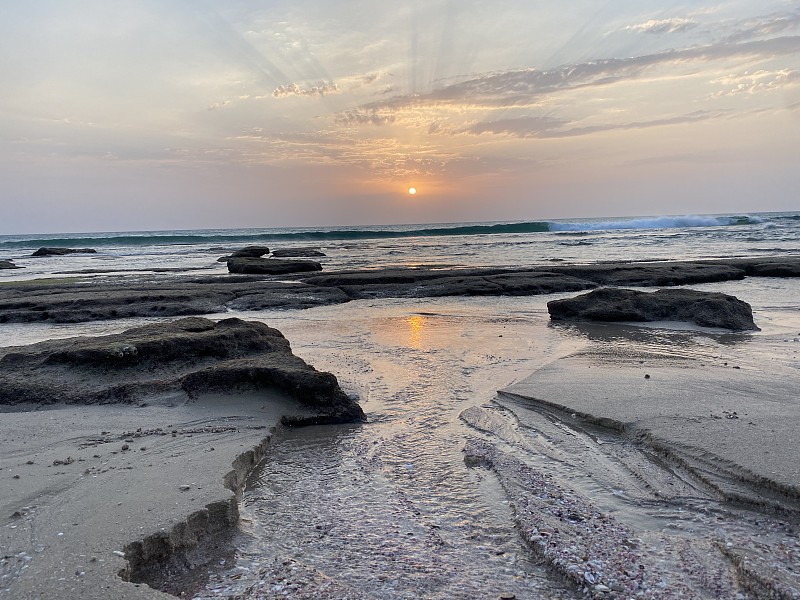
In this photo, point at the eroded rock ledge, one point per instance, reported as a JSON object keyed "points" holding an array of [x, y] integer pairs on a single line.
{"points": [[163, 559], [190, 356], [78, 301], [707, 309]]}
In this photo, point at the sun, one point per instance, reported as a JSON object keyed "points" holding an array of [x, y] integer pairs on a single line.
{"points": [[412, 191]]}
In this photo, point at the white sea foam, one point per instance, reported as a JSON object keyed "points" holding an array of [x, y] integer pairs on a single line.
{"points": [[657, 223]]}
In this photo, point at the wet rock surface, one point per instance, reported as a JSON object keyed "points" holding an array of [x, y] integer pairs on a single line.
{"points": [[7, 264], [190, 356], [707, 309], [63, 251], [246, 252], [257, 286], [424, 283], [271, 266], [298, 253], [79, 302]]}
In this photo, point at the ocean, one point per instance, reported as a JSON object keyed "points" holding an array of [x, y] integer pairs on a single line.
{"points": [[510, 244], [392, 509]]}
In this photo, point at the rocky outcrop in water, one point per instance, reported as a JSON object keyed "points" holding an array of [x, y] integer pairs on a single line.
{"points": [[767, 266], [298, 253], [7, 264], [63, 251], [76, 302], [271, 266], [652, 274], [707, 309], [65, 301], [426, 283], [246, 252], [189, 356]]}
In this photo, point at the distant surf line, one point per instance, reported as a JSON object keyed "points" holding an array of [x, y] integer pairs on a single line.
{"points": [[242, 236]]}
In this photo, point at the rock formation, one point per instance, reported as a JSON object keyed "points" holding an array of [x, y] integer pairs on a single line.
{"points": [[7, 264], [63, 251], [246, 252], [271, 266], [707, 309], [188, 356], [298, 253], [73, 301]]}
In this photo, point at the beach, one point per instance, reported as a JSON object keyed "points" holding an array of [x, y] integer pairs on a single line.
{"points": [[74, 498], [503, 454]]}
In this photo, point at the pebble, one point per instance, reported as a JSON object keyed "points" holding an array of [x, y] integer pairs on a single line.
{"points": [[507, 596], [185, 488]]}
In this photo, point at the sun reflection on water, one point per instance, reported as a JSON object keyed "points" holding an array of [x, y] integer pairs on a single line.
{"points": [[416, 325]]}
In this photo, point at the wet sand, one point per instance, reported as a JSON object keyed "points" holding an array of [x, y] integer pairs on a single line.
{"points": [[80, 483], [720, 413], [74, 500], [658, 424]]}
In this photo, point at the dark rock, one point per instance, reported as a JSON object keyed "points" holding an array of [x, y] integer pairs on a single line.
{"points": [[193, 355], [116, 298], [652, 274], [251, 251], [297, 253], [772, 268], [356, 279], [768, 266], [246, 252], [270, 266], [707, 309], [7, 264], [76, 302], [445, 283], [63, 251]]}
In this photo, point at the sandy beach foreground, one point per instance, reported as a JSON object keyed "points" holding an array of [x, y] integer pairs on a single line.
{"points": [[82, 482], [669, 446]]}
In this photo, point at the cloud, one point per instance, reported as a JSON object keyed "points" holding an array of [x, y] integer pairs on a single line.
{"points": [[693, 117], [365, 116], [548, 128], [292, 89], [673, 25], [519, 127], [758, 82], [528, 88], [764, 26], [221, 104]]}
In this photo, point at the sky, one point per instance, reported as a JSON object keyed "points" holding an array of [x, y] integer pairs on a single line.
{"points": [[145, 114]]}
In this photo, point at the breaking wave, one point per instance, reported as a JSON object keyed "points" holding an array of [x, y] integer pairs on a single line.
{"points": [[263, 236]]}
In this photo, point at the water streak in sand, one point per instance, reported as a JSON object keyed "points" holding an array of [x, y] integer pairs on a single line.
{"points": [[391, 510]]}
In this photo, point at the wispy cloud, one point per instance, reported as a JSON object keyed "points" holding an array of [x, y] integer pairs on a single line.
{"points": [[527, 87], [292, 89], [518, 127], [663, 25], [758, 82], [544, 128], [365, 116], [770, 25]]}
